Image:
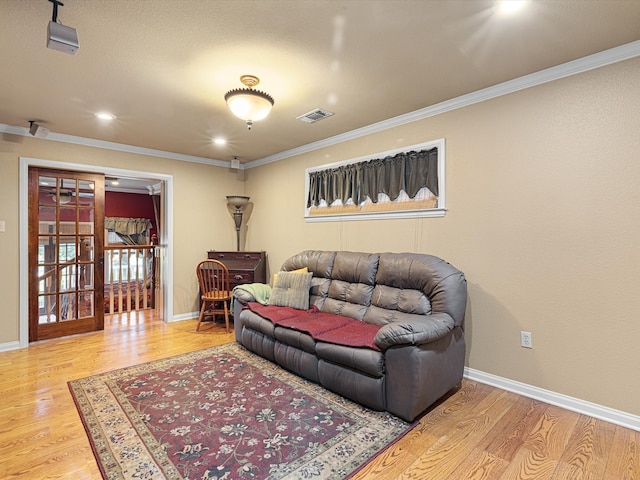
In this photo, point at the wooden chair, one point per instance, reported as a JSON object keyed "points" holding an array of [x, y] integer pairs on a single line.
{"points": [[213, 277]]}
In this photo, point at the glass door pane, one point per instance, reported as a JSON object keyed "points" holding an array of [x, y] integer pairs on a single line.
{"points": [[65, 252]]}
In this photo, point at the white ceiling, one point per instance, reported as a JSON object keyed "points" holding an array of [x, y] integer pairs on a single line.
{"points": [[163, 66]]}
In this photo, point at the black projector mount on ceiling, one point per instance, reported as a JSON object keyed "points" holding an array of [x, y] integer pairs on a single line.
{"points": [[60, 37]]}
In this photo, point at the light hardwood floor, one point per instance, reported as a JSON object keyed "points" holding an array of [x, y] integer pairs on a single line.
{"points": [[479, 432]]}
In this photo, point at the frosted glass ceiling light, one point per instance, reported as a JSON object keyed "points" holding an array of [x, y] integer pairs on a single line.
{"points": [[248, 104], [105, 116], [507, 7]]}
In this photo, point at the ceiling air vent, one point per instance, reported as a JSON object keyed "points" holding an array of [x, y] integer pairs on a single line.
{"points": [[314, 115]]}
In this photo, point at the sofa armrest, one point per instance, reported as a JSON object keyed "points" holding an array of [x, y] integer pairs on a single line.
{"points": [[414, 331], [252, 292], [249, 292], [242, 296]]}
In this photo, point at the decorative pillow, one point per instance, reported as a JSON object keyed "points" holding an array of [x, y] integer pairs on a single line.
{"points": [[291, 290], [300, 270]]}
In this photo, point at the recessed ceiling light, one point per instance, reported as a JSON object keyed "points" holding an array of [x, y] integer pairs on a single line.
{"points": [[219, 141], [510, 6], [105, 116]]}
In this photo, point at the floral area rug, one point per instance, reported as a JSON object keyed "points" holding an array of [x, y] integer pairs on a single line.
{"points": [[225, 413]]}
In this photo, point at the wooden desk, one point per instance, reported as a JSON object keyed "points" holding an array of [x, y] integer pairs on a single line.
{"points": [[244, 267]]}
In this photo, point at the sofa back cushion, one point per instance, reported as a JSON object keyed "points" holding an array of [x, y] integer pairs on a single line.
{"points": [[355, 267], [383, 288], [391, 304], [352, 281], [318, 262], [443, 285], [348, 299]]}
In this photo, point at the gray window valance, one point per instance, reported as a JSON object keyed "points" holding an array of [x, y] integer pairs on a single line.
{"points": [[407, 171]]}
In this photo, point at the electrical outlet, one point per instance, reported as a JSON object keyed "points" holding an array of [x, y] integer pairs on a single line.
{"points": [[525, 340]]}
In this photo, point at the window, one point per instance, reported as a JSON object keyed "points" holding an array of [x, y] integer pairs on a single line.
{"points": [[402, 183]]}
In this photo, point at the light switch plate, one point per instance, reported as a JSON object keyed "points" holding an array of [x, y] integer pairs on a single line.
{"points": [[2, 226]]}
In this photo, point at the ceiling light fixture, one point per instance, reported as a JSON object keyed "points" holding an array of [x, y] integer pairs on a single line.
{"points": [[510, 6], [248, 104], [105, 116]]}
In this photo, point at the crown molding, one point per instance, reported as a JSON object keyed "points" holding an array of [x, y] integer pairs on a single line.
{"points": [[591, 62], [597, 60], [120, 147]]}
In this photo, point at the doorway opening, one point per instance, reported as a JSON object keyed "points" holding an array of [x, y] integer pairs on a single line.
{"points": [[160, 186]]}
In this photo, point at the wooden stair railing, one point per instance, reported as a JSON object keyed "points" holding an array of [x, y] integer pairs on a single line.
{"points": [[130, 278]]}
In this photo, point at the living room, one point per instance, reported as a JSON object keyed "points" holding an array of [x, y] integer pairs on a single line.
{"points": [[542, 217]]}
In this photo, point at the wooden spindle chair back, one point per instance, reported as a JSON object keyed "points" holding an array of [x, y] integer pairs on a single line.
{"points": [[215, 295]]}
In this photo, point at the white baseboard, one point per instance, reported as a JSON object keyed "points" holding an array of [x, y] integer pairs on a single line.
{"points": [[5, 347], [184, 316], [607, 414]]}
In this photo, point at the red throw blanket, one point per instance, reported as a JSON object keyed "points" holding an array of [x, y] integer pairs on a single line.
{"points": [[325, 327]]}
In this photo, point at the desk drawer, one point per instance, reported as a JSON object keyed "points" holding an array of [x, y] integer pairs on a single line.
{"points": [[222, 256], [244, 267], [237, 278]]}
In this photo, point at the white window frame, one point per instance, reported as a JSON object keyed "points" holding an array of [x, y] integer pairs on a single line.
{"points": [[438, 211]]}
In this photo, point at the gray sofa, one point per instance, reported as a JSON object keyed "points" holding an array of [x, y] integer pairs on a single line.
{"points": [[416, 304]]}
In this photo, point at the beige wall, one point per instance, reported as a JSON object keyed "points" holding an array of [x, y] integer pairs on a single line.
{"points": [[543, 197], [200, 218], [543, 217], [9, 286]]}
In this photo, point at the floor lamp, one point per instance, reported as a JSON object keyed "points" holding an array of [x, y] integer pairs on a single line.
{"points": [[239, 202]]}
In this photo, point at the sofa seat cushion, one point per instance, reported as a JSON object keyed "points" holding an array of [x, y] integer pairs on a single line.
{"points": [[295, 338], [310, 321], [259, 324], [321, 326], [362, 360], [353, 334], [273, 312]]}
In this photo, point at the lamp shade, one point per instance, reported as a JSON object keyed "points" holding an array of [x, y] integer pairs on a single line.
{"points": [[237, 201], [248, 104]]}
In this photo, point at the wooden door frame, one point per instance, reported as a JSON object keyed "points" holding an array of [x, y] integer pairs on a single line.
{"points": [[166, 241]]}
